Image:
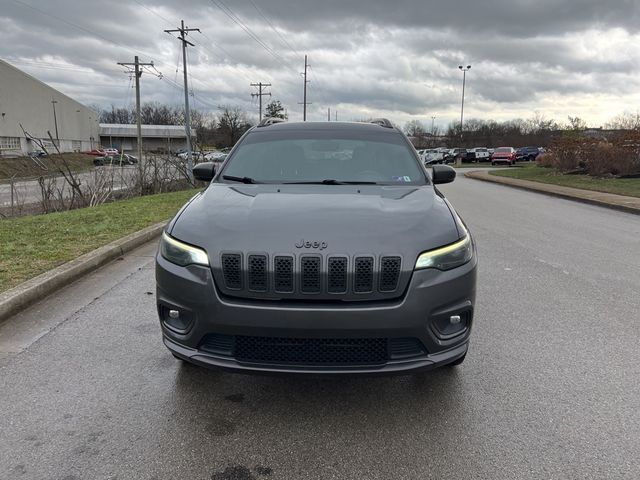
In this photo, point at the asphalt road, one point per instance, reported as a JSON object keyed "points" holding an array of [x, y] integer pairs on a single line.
{"points": [[29, 191], [550, 388]]}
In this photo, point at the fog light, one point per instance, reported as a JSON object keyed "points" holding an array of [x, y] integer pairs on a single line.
{"points": [[180, 321], [446, 327]]}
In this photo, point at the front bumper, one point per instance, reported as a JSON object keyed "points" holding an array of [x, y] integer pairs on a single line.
{"points": [[431, 298]]}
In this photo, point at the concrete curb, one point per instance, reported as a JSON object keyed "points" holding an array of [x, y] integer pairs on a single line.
{"points": [[601, 199], [18, 298]]}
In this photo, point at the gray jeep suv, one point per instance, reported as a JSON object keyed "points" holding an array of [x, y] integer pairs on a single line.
{"points": [[318, 248]]}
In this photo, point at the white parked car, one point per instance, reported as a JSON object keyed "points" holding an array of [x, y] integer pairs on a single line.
{"points": [[478, 154], [215, 156], [432, 156], [111, 151]]}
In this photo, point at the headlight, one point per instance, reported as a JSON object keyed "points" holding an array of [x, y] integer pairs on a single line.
{"points": [[181, 253], [446, 258]]}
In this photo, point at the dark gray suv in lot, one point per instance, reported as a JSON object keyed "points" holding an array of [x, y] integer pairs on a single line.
{"points": [[318, 248]]}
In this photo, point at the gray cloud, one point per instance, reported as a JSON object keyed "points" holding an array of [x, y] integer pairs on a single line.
{"points": [[397, 59]]}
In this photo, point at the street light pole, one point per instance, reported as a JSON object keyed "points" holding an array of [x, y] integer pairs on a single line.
{"points": [[55, 120], [433, 122], [464, 78]]}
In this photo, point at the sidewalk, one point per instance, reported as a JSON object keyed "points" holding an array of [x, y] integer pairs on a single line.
{"points": [[609, 200]]}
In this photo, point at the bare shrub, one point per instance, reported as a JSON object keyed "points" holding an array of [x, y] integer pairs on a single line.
{"points": [[546, 160]]}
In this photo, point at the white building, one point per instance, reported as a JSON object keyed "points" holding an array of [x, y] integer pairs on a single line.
{"points": [[40, 109], [155, 138]]}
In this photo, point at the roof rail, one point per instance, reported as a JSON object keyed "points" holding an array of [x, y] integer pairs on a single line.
{"points": [[270, 121], [383, 122]]}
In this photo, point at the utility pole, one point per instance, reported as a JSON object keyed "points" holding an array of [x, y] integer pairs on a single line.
{"points": [[260, 94], [184, 31], [304, 98], [138, 73], [55, 120], [433, 122], [328, 114], [336, 115], [464, 78]]}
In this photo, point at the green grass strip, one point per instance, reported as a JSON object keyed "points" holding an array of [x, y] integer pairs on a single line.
{"points": [[32, 245], [620, 186]]}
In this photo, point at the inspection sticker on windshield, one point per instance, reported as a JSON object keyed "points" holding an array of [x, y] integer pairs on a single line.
{"points": [[402, 179]]}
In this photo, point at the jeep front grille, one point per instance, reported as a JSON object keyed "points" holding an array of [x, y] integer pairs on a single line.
{"points": [[287, 276]]}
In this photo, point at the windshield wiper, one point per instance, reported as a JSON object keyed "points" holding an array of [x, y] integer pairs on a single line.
{"points": [[239, 179], [331, 181]]}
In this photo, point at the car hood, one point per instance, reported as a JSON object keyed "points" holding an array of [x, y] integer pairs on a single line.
{"points": [[342, 219]]}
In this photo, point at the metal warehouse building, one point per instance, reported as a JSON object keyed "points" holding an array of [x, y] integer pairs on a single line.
{"points": [[161, 138], [36, 106]]}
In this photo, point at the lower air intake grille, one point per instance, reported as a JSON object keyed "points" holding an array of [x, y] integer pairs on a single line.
{"points": [[312, 351], [231, 265], [219, 344]]}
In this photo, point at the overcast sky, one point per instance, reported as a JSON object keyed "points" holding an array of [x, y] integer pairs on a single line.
{"points": [[397, 59]]}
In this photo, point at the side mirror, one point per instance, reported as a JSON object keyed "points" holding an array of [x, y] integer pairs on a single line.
{"points": [[443, 174], [204, 171]]}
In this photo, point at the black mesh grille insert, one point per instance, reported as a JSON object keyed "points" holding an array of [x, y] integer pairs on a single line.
{"points": [[312, 351], [310, 274], [219, 344], [389, 273], [283, 274], [337, 275], [257, 278], [405, 348], [363, 278], [231, 265]]}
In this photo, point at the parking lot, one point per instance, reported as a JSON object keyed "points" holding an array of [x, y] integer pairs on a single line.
{"points": [[548, 390]]}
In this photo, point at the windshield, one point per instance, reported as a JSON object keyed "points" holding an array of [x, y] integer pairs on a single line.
{"points": [[317, 156], [503, 149]]}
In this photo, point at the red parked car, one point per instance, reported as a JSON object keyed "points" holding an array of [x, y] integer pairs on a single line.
{"points": [[504, 155], [95, 151]]}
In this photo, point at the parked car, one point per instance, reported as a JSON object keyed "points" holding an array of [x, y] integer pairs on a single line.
{"points": [[194, 155], [292, 265], [215, 156], [429, 157], [111, 151], [503, 155], [121, 160], [478, 154], [454, 153], [95, 151], [528, 153]]}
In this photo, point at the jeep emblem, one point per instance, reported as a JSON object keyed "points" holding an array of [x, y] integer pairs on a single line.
{"points": [[307, 244]]}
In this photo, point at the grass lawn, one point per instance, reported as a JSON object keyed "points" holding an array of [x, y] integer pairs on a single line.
{"points": [[620, 186], [35, 244], [26, 167]]}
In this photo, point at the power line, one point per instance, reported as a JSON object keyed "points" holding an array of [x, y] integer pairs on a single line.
{"points": [[229, 13], [266, 19]]}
